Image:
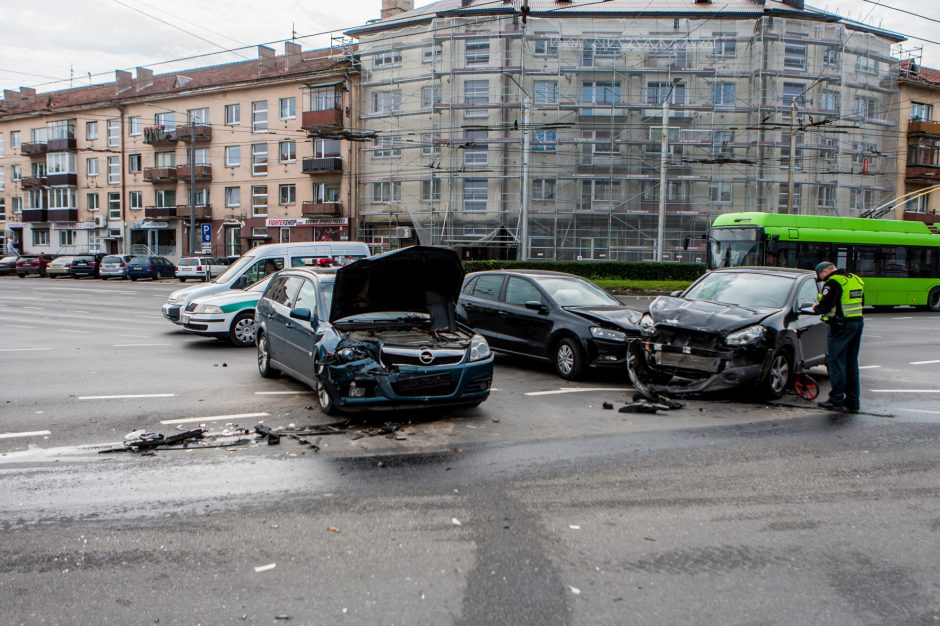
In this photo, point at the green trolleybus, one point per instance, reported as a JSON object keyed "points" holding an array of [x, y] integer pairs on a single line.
{"points": [[898, 260]]}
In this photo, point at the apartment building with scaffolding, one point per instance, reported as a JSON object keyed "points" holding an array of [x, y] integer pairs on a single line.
{"points": [[498, 121], [919, 142], [125, 166]]}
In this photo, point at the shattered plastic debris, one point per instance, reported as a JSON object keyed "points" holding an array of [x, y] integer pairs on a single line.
{"points": [[574, 527], [455, 521], [265, 568], [639, 407], [265, 431], [332, 529], [150, 441], [608, 406], [574, 590]]}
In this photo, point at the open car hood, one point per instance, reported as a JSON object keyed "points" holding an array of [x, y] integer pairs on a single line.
{"points": [[419, 279], [705, 316]]}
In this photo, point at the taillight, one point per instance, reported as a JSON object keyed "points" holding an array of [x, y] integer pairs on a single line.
{"points": [[150, 267], [121, 264], [177, 268], [198, 268]]}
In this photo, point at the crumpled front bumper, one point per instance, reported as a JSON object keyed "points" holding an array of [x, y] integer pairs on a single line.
{"points": [[677, 370]]}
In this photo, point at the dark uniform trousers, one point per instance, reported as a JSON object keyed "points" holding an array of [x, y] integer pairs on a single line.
{"points": [[843, 343]]}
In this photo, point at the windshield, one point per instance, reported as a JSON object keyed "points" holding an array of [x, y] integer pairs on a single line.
{"points": [[742, 289], [575, 292], [260, 285], [733, 247], [235, 269]]}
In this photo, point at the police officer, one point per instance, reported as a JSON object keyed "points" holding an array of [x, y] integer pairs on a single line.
{"points": [[840, 304]]}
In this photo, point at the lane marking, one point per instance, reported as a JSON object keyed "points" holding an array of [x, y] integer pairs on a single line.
{"points": [[35, 308], [129, 396], [66, 330], [23, 349], [281, 393], [905, 390], [576, 390], [81, 312], [150, 317], [18, 326], [924, 362], [868, 367], [903, 318], [135, 336], [921, 411], [138, 345], [34, 433], [213, 418]]}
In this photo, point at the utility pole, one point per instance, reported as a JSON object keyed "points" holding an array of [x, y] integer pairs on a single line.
{"points": [[790, 185], [524, 209], [192, 186], [663, 147]]}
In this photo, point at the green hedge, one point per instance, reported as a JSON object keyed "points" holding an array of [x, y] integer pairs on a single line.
{"points": [[599, 269]]}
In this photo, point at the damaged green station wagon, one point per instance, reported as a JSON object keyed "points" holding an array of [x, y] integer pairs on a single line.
{"points": [[379, 333]]}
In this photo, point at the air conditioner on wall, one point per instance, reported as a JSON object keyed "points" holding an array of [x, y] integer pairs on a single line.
{"points": [[402, 232], [101, 221]]}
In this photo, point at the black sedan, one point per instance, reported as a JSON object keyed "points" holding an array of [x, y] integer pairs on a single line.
{"points": [[86, 265], [549, 315], [8, 265], [732, 328]]}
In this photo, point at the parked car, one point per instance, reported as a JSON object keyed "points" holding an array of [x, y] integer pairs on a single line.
{"points": [[734, 328], [114, 266], [86, 265], [8, 265], [378, 333], [200, 268], [151, 267], [227, 315], [552, 316], [32, 264], [59, 266]]}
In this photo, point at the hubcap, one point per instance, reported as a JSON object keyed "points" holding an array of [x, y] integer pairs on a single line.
{"points": [[245, 330], [779, 372], [262, 354], [565, 358]]}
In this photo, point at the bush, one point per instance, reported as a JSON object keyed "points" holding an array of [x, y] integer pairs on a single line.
{"points": [[599, 269]]}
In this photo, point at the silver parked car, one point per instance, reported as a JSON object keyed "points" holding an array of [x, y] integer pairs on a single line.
{"points": [[114, 266], [59, 266], [200, 267]]}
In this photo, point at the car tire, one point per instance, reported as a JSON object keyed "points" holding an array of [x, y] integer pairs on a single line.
{"points": [[103, 277], [155, 276], [568, 358], [182, 280], [52, 276], [324, 399], [933, 300], [133, 278], [264, 358], [242, 331], [777, 379], [22, 275], [75, 276]]}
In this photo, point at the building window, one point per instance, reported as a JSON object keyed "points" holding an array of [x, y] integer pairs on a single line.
{"points": [[919, 111], [386, 147], [723, 94], [862, 151], [477, 52], [198, 116], [475, 94], [430, 96], [324, 193], [164, 159], [288, 108], [794, 56], [60, 163], [287, 195], [866, 65], [200, 156], [793, 92], [600, 92], [719, 192], [475, 194], [63, 198], [91, 166], [61, 129], [785, 151], [283, 235], [545, 45], [40, 237], [830, 100], [656, 93], [429, 147], [598, 194], [830, 58], [543, 189], [287, 151], [15, 139], [386, 192], [165, 198], [826, 196], [233, 114], [865, 106], [114, 170], [233, 156], [114, 133], [91, 131], [134, 163], [40, 135], [724, 47], [721, 145], [431, 54], [233, 197], [166, 120], [431, 190], [114, 205], [67, 237], [782, 201], [544, 140], [259, 116], [3, 178], [16, 206], [546, 92], [325, 148], [135, 200], [387, 58], [386, 101], [862, 199], [92, 201], [201, 197], [321, 99], [259, 159], [135, 126], [16, 173], [259, 200], [475, 149]]}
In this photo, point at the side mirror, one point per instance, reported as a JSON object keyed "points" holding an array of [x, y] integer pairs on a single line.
{"points": [[301, 314], [535, 305], [675, 294], [241, 282]]}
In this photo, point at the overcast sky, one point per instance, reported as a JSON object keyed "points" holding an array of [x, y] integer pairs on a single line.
{"points": [[46, 40]]}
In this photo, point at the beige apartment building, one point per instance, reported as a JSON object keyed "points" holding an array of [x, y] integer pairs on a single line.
{"points": [[919, 143], [127, 166]]}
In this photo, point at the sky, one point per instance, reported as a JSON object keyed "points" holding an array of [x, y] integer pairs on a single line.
{"points": [[45, 42]]}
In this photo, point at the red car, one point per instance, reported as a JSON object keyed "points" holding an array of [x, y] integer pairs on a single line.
{"points": [[32, 264]]}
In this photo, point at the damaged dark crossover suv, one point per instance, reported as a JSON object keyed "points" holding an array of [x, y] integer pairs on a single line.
{"points": [[732, 328], [378, 333]]}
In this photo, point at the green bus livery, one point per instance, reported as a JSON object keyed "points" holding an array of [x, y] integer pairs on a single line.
{"points": [[898, 260]]}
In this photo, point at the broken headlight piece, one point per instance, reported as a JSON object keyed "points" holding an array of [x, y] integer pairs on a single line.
{"points": [[745, 336], [605, 333], [345, 355], [647, 325], [479, 349]]}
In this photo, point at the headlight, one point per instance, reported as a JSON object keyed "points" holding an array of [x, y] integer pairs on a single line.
{"points": [[647, 325], [207, 308], [479, 349], [345, 355], [745, 336], [610, 335], [174, 301]]}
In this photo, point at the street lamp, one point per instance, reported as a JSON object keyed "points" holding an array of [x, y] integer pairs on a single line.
{"points": [[663, 146]]}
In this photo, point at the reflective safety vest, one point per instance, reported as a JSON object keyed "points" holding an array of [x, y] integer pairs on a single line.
{"points": [[853, 292]]}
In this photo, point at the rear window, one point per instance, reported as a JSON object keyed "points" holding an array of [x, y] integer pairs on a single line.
{"points": [[140, 260], [112, 259], [189, 262], [7, 259], [84, 259]]}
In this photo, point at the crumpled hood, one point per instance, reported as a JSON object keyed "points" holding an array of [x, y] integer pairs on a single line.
{"points": [[419, 279], [622, 317], [702, 315]]}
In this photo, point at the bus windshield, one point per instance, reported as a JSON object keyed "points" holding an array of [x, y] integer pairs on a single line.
{"points": [[733, 247]]}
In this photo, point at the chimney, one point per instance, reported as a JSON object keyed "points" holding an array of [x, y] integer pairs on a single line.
{"points": [[293, 54], [144, 78], [391, 8], [28, 92], [123, 80], [11, 96], [266, 59]]}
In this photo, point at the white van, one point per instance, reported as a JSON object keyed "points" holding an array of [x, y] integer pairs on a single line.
{"points": [[263, 260]]}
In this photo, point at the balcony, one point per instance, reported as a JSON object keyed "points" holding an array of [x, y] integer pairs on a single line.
{"points": [[159, 212], [202, 132], [62, 179], [160, 174], [63, 215], [923, 127], [316, 119], [33, 149], [923, 173], [61, 145], [184, 173], [321, 209], [35, 215], [203, 212], [323, 165], [33, 181], [157, 135]]}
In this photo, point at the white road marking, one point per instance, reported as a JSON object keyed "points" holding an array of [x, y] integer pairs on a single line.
{"points": [[150, 317], [868, 367], [135, 336], [129, 396], [281, 393], [34, 308], [574, 390], [35, 433], [905, 390], [924, 362], [921, 411], [81, 312], [903, 318], [18, 326], [82, 332], [137, 345], [23, 349], [213, 418]]}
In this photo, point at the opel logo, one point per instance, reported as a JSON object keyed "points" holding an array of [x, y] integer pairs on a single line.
{"points": [[426, 357]]}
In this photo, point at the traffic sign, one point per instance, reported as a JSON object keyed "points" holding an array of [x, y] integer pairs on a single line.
{"points": [[206, 233]]}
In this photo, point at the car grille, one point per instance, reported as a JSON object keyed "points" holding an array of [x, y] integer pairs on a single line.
{"points": [[440, 385], [683, 338], [421, 357]]}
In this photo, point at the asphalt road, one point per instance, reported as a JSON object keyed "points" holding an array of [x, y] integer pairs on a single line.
{"points": [[539, 507]]}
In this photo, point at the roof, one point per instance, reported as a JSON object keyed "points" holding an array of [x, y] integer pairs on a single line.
{"points": [[919, 75], [178, 82]]}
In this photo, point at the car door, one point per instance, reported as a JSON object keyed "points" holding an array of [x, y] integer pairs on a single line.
{"points": [[301, 335], [810, 329], [524, 330], [482, 307], [278, 297]]}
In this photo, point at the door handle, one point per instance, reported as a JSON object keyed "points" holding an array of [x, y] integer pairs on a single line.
{"points": [[503, 314]]}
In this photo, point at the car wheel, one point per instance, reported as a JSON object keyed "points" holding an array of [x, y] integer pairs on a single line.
{"points": [[133, 278], [182, 280], [22, 275], [777, 379], [568, 359], [103, 277], [155, 276], [52, 276], [324, 398], [75, 276], [933, 300], [264, 358], [242, 331]]}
